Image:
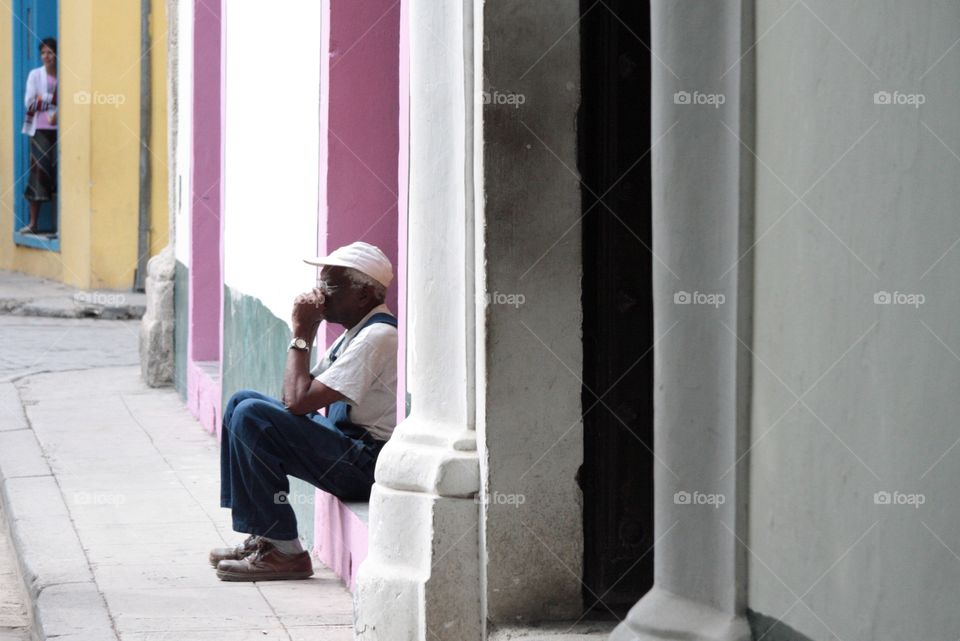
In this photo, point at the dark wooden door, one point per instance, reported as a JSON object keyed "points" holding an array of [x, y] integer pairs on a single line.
{"points": [[614, 142]]}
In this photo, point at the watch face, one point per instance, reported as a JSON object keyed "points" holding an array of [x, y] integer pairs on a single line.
{"points": [[302, 344]]}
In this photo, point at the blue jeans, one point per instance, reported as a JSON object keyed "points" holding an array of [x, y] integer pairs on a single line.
{"points": [[262, 442]]}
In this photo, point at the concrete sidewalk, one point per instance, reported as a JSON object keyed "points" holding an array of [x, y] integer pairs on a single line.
{"points": [[111, 492], [14, 613], [26, 295]]}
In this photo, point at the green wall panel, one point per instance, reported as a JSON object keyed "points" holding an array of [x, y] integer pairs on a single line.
{"points": [[254, 356]]}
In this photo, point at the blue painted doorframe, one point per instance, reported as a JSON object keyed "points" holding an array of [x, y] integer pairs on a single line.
{"points": [[33, 20]]}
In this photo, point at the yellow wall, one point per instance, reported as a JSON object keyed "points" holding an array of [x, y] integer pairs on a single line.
{"points": [[75, 61], [6, 142], [99, 51]]}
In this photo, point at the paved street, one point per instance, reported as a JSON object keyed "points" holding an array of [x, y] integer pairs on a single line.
{"points": [[111, 488], [32, 344]]}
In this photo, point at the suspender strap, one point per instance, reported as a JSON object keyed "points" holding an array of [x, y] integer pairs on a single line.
{"points": [[381, 317], [339, 412]]}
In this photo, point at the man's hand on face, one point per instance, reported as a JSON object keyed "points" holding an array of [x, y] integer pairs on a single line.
{"points": [[308, 311]]}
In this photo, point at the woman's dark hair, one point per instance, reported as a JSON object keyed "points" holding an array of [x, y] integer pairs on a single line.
{"points": [[49, 42]]}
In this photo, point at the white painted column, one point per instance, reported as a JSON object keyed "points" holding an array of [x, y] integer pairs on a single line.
{"points": [[702, 224], [421, 578]]}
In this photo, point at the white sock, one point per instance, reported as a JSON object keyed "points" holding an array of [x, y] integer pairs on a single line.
{"points": [[286, 547]]}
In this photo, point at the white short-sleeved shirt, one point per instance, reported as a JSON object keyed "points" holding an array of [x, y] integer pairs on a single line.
{"points": [[365, 372]]}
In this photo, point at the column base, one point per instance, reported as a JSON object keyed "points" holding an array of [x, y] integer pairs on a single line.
{"points": [[663, 616], [421, 578]]}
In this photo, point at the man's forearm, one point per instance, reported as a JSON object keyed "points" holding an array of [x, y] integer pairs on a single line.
{"points": [[296, 374]]}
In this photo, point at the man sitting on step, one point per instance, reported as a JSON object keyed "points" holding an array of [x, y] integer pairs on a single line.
{"points": [[265, 439]]}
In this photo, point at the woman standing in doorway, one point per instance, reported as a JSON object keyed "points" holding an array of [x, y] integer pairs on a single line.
{"points": [[40, 124]]}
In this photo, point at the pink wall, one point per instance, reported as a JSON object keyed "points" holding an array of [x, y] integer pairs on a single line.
{"points": [[206, 249], [360, 129], [341, 537], [359, 126], [206, 284]]}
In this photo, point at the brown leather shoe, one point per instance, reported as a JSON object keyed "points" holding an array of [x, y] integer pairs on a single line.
{"points": [[266, 563], [235, 553]]}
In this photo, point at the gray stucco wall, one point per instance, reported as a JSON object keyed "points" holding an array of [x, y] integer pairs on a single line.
{"points": [[877, 382], [532, 433]]}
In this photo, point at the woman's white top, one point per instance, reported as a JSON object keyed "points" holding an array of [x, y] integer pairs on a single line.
{"points": [[36, 86]]}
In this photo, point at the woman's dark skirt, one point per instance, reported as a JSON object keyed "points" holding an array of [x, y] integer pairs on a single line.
{"points": [[42, 184]]}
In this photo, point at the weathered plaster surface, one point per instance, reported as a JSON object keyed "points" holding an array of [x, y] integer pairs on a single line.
{"points": [[877, 381], [529, 391]]}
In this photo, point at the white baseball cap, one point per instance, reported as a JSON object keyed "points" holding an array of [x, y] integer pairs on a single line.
{"points": [[363, 257]]}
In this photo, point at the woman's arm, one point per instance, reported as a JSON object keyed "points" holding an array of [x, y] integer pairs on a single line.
{"points": [[30, 95]]}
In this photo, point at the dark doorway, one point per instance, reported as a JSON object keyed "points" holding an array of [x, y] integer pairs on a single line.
{"points": [[614, 143]]}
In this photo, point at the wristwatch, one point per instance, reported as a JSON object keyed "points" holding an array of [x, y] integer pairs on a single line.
{"points": [[299, 343]]}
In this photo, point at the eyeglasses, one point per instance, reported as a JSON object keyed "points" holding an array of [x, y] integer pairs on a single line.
{"points": [[326, 287]]}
